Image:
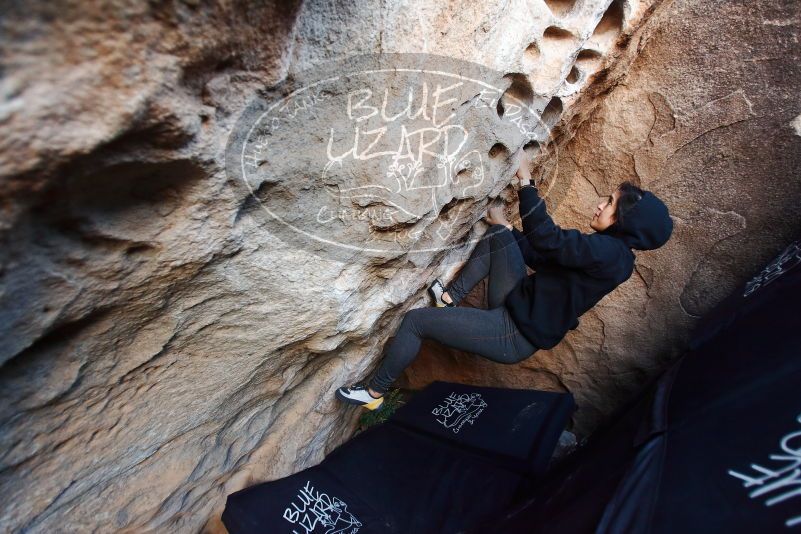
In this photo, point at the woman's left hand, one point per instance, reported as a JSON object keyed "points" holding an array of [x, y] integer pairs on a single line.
{"points": [[496, 214]]}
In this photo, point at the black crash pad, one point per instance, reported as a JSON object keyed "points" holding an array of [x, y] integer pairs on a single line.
{"points": [[452, 457], [713, 446]]}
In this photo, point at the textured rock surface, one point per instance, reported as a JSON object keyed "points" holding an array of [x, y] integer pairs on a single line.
{"points": [[158, 350], [705, 119]]}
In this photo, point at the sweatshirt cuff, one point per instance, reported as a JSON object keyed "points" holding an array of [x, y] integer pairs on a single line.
{"points": [[529, 199], [519, 236]]}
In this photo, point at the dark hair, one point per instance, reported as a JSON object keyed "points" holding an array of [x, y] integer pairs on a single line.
{"points": [[630, 194]]}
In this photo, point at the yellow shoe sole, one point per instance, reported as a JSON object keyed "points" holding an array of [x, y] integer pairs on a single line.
{"points": [[372, 405]]}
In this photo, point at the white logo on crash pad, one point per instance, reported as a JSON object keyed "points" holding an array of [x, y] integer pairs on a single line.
{"points": [[779, 482], [318, 509], [456, 410], [788, 259]]}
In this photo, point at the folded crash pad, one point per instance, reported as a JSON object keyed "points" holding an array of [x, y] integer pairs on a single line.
{"points": [[309, 501], [519, 424], [452, 457], [713, 446]]}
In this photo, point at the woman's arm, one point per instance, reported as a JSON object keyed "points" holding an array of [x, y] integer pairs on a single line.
{"points": [[496, 214], [530, 256], [569, 248]]}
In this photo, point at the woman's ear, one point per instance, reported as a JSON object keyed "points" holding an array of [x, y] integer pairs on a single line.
{"points": [[616, 197]]}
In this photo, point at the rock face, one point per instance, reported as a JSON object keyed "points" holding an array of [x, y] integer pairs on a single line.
{"points": [[707, 124], [161, 349]]}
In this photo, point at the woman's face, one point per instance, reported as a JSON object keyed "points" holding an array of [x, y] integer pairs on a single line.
{"points": [[604, 215]]}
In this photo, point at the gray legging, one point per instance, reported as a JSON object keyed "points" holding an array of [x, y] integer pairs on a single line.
{"points": [[490, 333]]}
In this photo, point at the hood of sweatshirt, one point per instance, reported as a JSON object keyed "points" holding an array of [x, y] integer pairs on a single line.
{"points": [[646, 226]]}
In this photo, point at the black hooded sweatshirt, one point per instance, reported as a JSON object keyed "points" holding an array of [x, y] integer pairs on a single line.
{"points": [[575, 270]]}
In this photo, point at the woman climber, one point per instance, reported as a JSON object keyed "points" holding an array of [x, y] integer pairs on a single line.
{"points": [[573, 271]]}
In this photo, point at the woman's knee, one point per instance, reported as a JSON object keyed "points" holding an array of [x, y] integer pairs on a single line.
{"points": [[413, 319], [501, 234]]}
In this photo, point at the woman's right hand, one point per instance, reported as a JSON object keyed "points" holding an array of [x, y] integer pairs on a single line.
{"points": [[523, 168]]}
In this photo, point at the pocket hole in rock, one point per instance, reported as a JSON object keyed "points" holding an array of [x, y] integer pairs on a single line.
{"points": [[574, 75], [498, 150], [557, 44], [532, 148], [588, 61], [555, 33], [560, 8], [445, 210], [519, 94], [552, 112], [586, 56], [530, 56], [610, 25]]}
